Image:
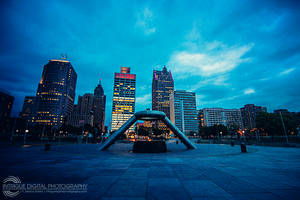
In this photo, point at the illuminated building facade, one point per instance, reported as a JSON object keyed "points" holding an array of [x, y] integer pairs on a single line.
{"points": [[99, 107], [185, 113], [123, 98], [249, 113], [162, 88], [200, 118], [56, 93], [29, 108]]}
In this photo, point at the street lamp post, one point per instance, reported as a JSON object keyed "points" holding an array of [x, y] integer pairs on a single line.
{"points": [[26, 131], [286, 137], [13, 131]]}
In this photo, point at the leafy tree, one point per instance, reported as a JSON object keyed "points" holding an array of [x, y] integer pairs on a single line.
{"points": [[215, 130], [271, 124]]}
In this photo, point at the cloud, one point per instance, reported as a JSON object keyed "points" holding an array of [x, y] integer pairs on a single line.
{"points": [[144, 100], [285, 72], [265, 79], [272, 22], [217, 81], [145, 21], [249, 91], [209, 62], [214, 45]]}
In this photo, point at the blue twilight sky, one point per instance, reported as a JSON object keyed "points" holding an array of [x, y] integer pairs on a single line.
{"points": [[230, 53]]}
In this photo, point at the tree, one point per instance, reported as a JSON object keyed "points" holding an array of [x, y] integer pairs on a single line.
{"points": [[271, 124], [215, 130]]}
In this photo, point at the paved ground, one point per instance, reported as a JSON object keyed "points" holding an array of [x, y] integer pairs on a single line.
{"points": [[210, 172]]}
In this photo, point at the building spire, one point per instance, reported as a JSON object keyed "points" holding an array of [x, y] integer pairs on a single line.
{"points": [[165, 69]]}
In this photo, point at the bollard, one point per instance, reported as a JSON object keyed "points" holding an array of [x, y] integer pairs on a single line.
{"points": [[232, 143], [47, 147], [243, 148]]}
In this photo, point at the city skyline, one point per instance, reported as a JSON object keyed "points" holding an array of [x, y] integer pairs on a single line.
{"points": [[261, 74]]}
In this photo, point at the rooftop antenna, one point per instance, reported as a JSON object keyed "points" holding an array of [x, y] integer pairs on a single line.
{"points": [[63, 56]]}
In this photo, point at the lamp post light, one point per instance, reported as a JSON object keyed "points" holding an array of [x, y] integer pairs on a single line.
{"points": [[25, 133], [244, 138]]}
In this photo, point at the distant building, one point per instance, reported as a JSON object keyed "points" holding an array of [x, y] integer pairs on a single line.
{"points": [[56, 93], [6, 103], [185, 114], [28, 109], [86, 103], [214, 116], [221, 116], [79, 120], [83, 112], [123, 98], [162, 88], [282, 111], [89, 110], [99, 107], [233, 118], [249, 113]]}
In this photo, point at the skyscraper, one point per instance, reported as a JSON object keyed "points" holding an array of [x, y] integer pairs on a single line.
{"points": [[99, 107], [29, 108], [123, 98], [83, 112], [185, 113], [162, 88], [86, 103], [249, 113], [56, 93]]}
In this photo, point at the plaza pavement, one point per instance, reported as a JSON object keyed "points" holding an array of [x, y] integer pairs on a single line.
{"points": [[210, 172]]}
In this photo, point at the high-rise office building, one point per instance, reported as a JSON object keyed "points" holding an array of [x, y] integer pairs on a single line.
{"points": [[90, 109], [83, 112], [86, 103], [29, 108], [56, 93], [6, 102], [162, 88], [123, 98], [185, 114], [249, 113], [221, 116], [99, 107]]}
